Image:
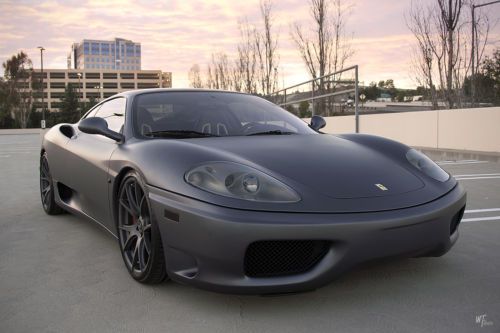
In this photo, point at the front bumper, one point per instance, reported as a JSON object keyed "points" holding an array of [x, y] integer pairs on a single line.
{"points": [[205, 245]]}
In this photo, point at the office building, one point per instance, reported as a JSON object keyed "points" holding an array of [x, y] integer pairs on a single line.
{"points": [[96, 84], [117, 54]]}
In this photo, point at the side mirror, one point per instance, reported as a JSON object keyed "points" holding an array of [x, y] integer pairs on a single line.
{"points": [[96, 125], [317, 123]]}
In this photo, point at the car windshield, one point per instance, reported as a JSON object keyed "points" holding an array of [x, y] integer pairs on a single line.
{"points": [[203, 114]]}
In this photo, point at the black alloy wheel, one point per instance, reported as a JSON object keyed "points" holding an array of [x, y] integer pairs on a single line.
{"points": [[138, 234], [47, 188]]}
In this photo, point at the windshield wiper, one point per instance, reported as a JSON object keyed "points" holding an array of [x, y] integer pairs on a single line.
{"points": [[274, 132], [179, 134]]}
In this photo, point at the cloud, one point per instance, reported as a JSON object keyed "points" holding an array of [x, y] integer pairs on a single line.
{"points": [[176, 34]]}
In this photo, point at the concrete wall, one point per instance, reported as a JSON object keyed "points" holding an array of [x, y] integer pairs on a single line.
{"points": [[464, 129]]}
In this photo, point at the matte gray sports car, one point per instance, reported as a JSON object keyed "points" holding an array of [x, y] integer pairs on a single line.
{"points": [[231, 193]]}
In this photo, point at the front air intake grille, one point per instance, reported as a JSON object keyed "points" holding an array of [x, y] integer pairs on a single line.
{"points": [[455, 221], [283, 257]]}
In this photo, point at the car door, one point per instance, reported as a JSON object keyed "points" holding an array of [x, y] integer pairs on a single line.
{"points": [[88, 162]]}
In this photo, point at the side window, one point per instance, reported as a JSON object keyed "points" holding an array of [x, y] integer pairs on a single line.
{"points": [[114, 113]]}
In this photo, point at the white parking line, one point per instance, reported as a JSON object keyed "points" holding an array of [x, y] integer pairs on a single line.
{"points": [[460, 162], [472, 178], [478, 174], [489, 218], [471, 211]]}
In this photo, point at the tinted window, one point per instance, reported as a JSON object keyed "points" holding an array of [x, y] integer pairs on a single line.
{"points": [[114, 113], [212, 114]]}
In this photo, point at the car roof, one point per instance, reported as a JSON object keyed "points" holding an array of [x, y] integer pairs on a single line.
{"points": [[131, 93]]}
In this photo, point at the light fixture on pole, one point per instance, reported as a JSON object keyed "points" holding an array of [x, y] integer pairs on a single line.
{"points": [[100, 87], [41, 75], [473, 49], [79, 92]]}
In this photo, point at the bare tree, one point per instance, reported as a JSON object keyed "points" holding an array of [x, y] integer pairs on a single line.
{"points": [[441, 30], [266, 43], [246, 62], [327, 47], [418, 21], [449, 19], [219, 72], [194, 77]]}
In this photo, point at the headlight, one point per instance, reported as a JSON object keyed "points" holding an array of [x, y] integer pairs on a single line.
{"points": [[240, 181], [426, 165]]}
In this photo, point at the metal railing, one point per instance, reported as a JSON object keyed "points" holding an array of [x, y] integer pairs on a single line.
{"points": [[323, 93]]}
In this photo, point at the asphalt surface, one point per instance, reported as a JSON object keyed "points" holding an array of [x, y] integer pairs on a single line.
{"points": [[64, 274]]}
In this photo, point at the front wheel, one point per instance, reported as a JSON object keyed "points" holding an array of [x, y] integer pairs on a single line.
{"points": [[47, 188], [138, 233]]}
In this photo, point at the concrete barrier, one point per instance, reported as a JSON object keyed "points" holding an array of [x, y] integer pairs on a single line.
{"points": [[461, 129]]}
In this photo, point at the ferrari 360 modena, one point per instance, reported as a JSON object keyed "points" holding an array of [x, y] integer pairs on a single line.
{"points": [[231, 193]]}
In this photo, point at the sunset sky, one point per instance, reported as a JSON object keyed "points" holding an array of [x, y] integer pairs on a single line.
{"points": [[177, 34]]}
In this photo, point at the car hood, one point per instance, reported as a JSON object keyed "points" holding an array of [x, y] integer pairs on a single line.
{"points": [[330, 173]]}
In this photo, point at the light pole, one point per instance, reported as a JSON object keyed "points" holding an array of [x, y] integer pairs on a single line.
{"points": [[41, 75], [100, 87], [473, 51], [79, 89]]}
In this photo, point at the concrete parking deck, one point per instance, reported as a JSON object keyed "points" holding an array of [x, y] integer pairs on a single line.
{"points": [[64, 274]]}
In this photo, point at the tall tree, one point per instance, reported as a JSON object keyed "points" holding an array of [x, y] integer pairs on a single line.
{"points": [[219, 72], [327, 47], [266, 44], [442, 59], [69, 105], [246, 62], [18, 74], [194, 77]]}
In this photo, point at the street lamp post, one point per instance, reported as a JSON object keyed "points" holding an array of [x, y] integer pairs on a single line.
{"points": [[41, 75], [79, 89], [473, 51], [100, 87]]}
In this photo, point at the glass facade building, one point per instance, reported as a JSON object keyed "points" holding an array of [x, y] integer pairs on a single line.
{"points": [[118, 54]]}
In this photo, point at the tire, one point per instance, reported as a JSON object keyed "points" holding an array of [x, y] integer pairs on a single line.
{"points": [[47, 188], [138, 233]]}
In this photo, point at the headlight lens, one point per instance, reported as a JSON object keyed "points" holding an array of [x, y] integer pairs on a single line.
{"points": [[426, 165], [240, 181]]}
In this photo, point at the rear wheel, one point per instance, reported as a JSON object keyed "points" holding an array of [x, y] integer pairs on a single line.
{"points": [[138, 233], [47, 188]]}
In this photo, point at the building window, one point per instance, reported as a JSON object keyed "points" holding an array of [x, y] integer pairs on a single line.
{"points": [[147, 85], [110, 85], [57, 75], [127, 85], [127, 75], [93, 75], [95, 48], [105, 49], [147, 76], [57, 85]]}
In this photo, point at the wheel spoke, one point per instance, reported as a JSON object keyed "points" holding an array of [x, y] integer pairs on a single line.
{"points": [[142, 254], [135, 254], [129, 242], [46, 195], [128, 208], [147, 245], [46, 188], [128, 228], [131, 201]]}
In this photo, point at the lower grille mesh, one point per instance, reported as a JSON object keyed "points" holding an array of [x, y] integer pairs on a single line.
{"points": [[283, 257]]}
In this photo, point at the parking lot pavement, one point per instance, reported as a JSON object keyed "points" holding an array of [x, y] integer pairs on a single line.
{"points": [[64, 274]]}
